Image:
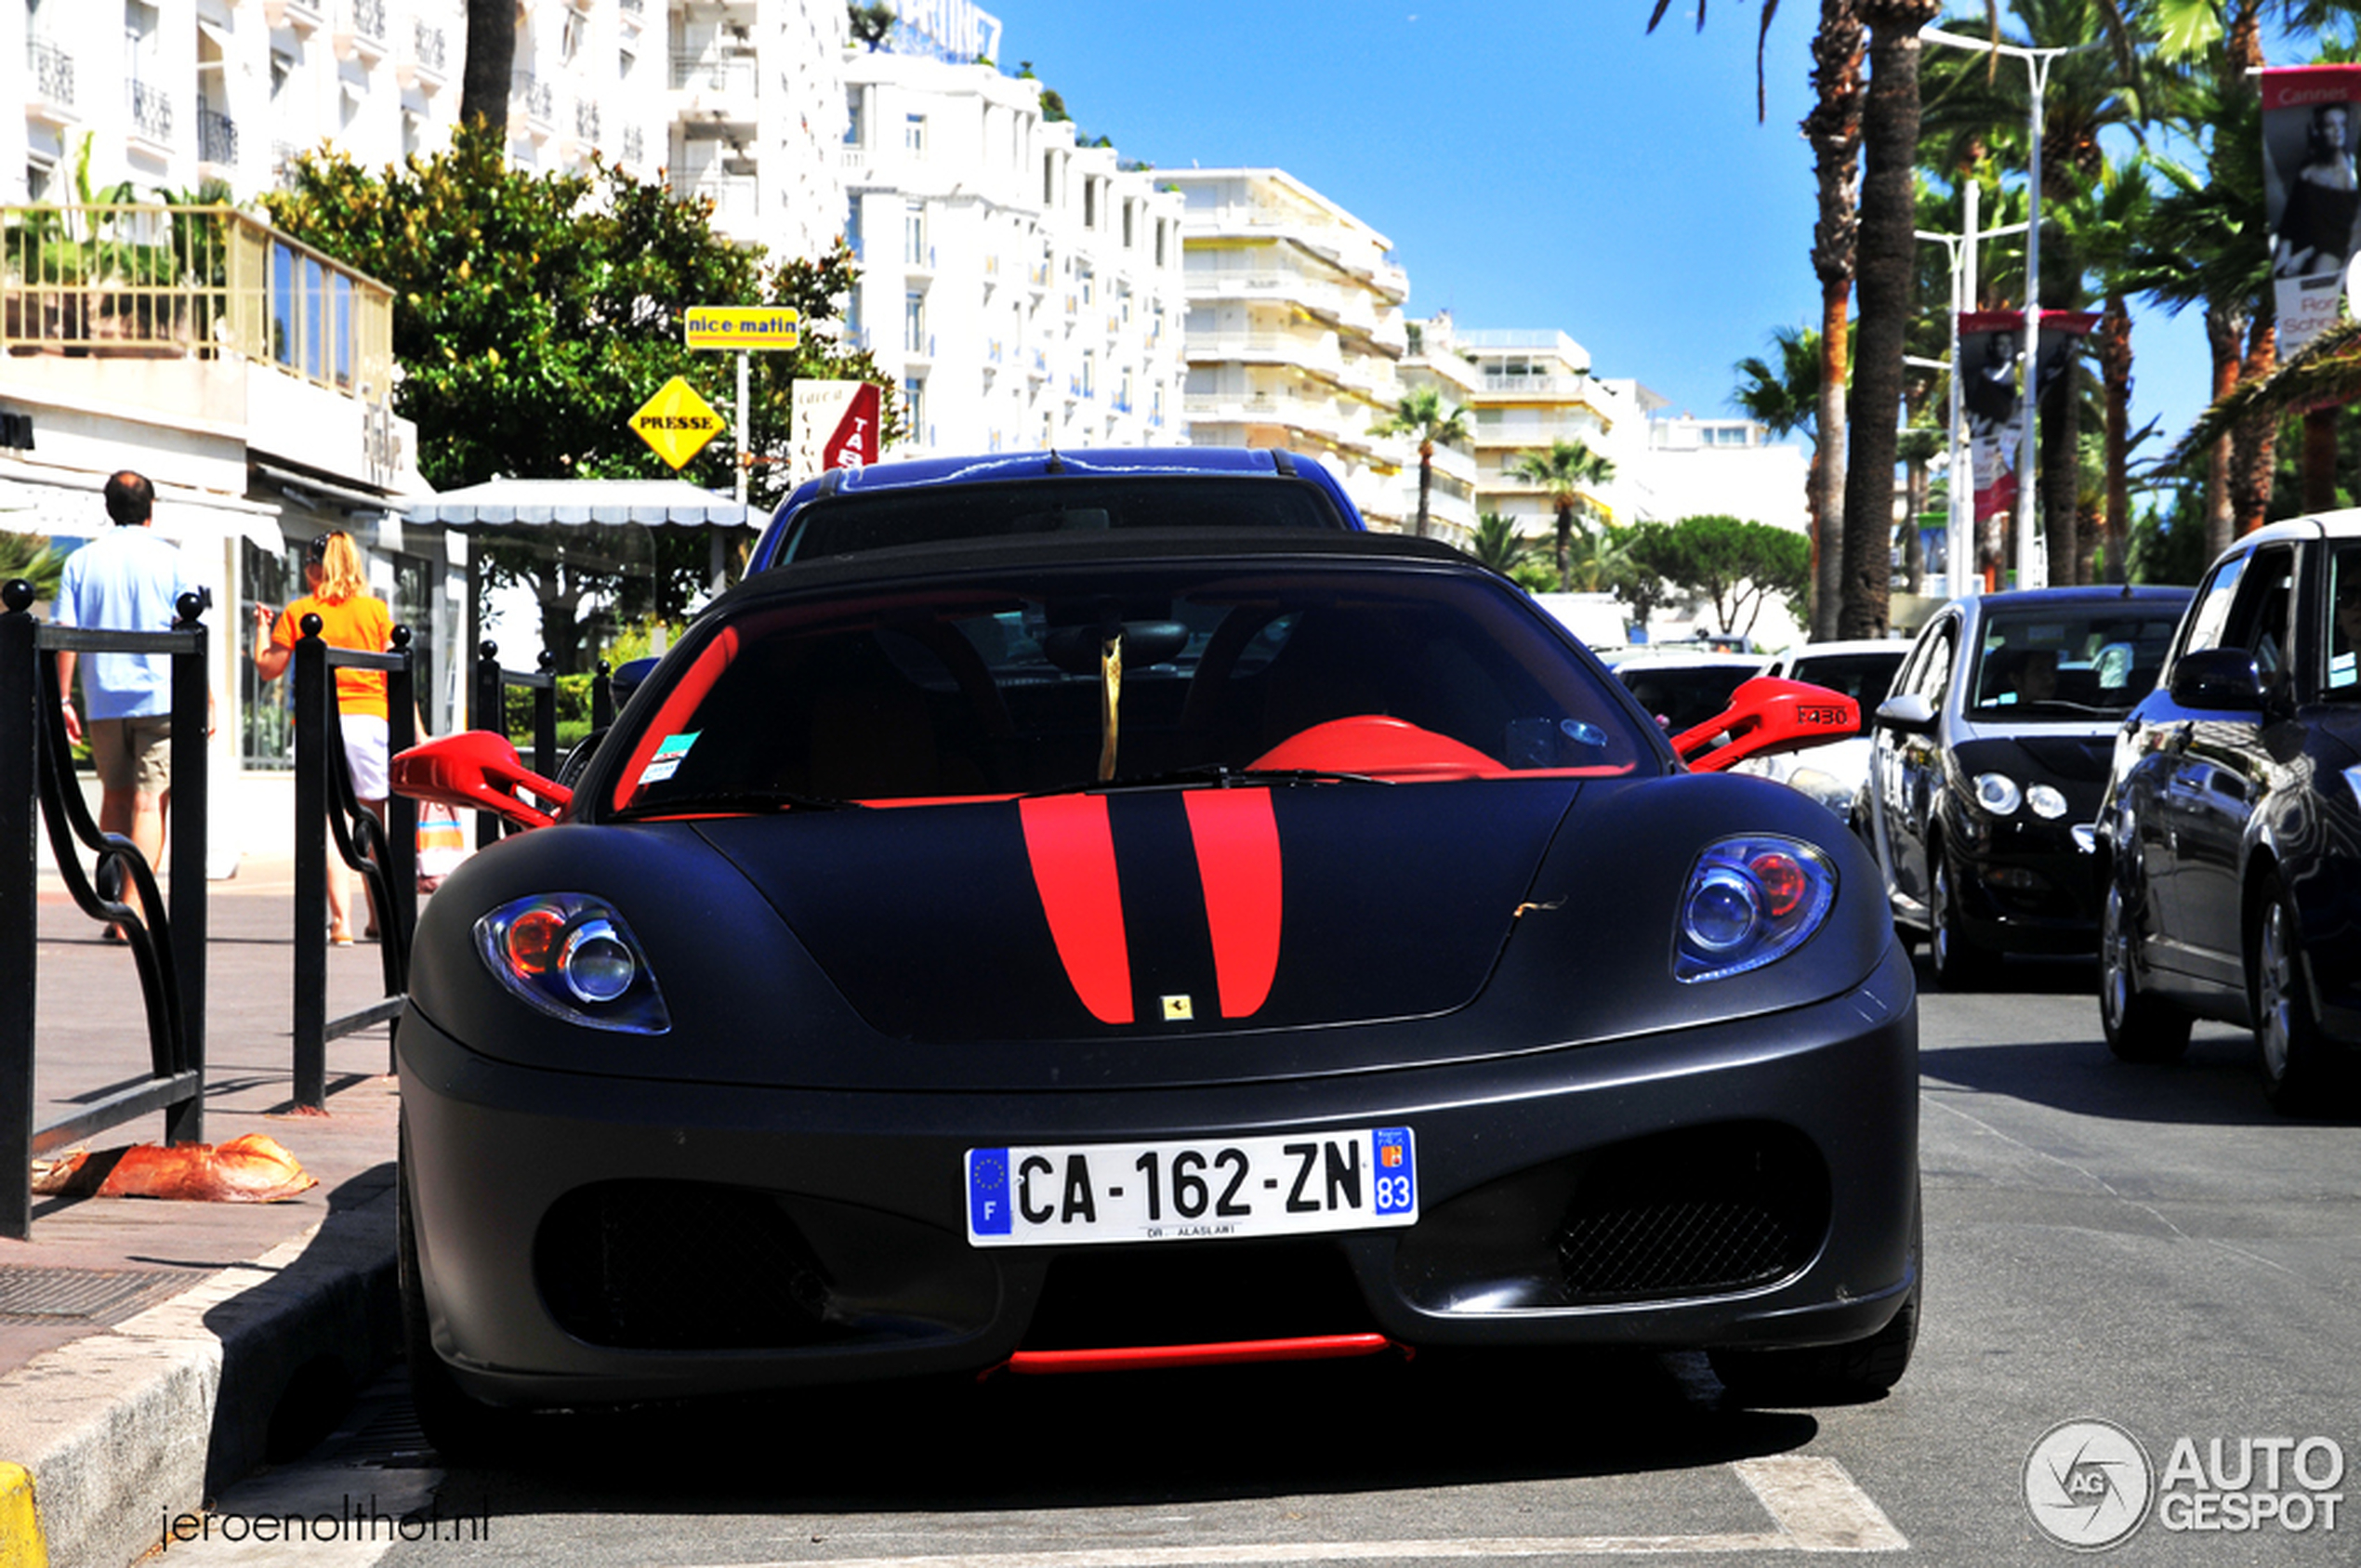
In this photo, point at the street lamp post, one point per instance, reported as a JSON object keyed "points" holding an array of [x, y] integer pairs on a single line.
{"points": [[2037, 63]]}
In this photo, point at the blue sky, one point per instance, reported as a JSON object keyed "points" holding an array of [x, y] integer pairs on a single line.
{"points": [[1537, 163]]}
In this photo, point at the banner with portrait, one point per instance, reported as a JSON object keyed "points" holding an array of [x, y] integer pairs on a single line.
{"points": [[1991, 371], [2310, 196]]}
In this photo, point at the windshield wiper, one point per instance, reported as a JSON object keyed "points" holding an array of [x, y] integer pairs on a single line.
{"points": [[740, 800], [1216, 775], [2053, 705]]}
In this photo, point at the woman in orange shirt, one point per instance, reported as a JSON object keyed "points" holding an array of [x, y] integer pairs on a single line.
{"points": [[349, 617]]}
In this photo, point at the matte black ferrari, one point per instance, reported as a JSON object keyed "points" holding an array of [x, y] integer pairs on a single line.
{"points": [[1119, 950]]}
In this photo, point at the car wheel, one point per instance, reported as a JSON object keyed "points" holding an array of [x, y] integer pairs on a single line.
{"points": [[2139, 1027], [2298, 1065], [462, 1429], [1959, 964], [1859, 1369]]}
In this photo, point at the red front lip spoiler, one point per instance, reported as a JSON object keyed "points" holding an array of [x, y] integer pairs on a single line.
{"points": [[1230, 1352]]}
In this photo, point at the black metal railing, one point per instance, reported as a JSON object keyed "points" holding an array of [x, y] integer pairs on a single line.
{"points": [[384, 854], [488, 709], [168, 944]]}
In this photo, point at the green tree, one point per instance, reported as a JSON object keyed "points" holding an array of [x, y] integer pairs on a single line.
{"points": [[1735, 566], [1421, 416], [32, 558], [533, 314], [869, 25], [1567, 472], [1785, 397], [1499, 544]]}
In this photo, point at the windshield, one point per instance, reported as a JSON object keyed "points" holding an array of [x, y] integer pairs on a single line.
{"points": [[1063, 678], [927, 516], [2070, 662], [1862, 677]]}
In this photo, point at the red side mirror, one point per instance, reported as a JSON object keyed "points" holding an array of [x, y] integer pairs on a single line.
{"points": [[477, 769], [1767, 715]]}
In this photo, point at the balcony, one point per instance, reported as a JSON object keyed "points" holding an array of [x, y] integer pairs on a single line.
{"points": [[361, 34], [217, 138], [301, 17], [635, 145], [586, 120], [153, 282], [426, 66], [151, 115], [538, 100], [734, 199], [634, 12], [50, 72], [731, 76]]}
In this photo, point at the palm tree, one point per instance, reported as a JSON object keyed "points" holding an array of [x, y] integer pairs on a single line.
{"points": [[1420, 413], [1564, 472], [1833, 127], [1499, 544], [1785, 397], [485, 77]]}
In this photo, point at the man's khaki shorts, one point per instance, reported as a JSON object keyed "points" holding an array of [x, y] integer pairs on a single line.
{"points": [[134, 754]]}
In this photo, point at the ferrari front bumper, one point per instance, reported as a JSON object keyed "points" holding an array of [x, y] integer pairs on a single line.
{"points": [[588, 1239]]}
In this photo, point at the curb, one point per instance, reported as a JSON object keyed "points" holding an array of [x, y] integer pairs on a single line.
{"points": [[112, 1435]]}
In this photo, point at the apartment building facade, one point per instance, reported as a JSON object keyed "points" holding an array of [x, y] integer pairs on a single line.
{"points": [[1024, 290], [1295, 330]]}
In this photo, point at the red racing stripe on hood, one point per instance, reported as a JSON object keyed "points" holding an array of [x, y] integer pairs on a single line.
{"points": [[1073, 853], [1237, 843]]}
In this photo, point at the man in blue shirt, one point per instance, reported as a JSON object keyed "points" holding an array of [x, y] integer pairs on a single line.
{"points": [[126, 580]]}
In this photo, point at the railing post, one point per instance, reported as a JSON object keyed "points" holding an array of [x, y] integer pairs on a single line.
{"points": [[544, 718], [602, 698], [314, 691], [191, 778], [487, 709], [19, 888]]}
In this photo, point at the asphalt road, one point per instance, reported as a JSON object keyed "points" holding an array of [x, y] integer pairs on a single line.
{"points": [[2149, 1247]]}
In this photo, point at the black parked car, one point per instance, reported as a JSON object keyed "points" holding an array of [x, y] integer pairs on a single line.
{"points": [[1987, 763], [2231, 840]]}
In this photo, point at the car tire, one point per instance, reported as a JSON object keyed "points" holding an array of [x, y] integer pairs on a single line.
{"points": [[1859, 1369], [464, 1430], [2139, 1027], [2300, 1074], [1959, 964]]}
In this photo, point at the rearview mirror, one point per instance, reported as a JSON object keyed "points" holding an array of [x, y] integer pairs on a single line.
{"points": [[1768, 715], [478, 771], [2222, 679], [1909, 712]]}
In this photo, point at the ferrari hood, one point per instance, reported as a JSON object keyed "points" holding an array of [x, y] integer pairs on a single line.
{"points": [[1159, 911]]}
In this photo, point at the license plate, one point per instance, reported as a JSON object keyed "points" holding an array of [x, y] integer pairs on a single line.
{"points": [[1218, 1189]]}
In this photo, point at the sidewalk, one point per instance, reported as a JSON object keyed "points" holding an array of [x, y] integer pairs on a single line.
{"points": [[153, 1353]]}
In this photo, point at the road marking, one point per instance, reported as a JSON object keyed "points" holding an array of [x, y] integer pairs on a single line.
{"points": [[1814, 1504]]}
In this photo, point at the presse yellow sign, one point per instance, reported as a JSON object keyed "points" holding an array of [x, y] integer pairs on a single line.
{"points": [[677, 422]]}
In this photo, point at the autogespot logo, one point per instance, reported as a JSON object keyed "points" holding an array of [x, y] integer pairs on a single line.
{"points": [[2087, 1484]]}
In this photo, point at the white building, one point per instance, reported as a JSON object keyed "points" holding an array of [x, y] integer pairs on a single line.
{"points": [[1432, 360], [252, 380], [1534, 389], [1295, 330], [1025, 292], [1725, 467]]}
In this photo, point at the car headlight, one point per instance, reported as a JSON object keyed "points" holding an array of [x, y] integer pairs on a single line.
{"points": [[2046, 802], [572, 958], [1996, 793], [1749, 901], [1824, 787]]}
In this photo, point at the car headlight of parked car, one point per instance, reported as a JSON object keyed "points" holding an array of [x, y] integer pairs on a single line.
{"points": [[1824, 787], [1749, 901], [572, 957], [1998, 793]]}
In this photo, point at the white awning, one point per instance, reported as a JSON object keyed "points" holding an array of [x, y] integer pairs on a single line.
{"points": [[66, 511], [573, 502]]}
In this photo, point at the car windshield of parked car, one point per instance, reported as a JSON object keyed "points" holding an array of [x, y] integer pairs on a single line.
{"points": [[929, 515], [2069, 662], [1683, 697], [1061, 678], [1862, 677]]}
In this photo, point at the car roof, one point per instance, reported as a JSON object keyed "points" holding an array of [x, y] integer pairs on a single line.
{"points": [[1048, 467], [915, 562], [2025, 598], [1641, 656], [1894, 645]]}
